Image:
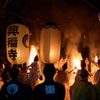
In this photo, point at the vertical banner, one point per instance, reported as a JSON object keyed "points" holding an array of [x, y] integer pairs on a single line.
{"points": [[17, 43]]}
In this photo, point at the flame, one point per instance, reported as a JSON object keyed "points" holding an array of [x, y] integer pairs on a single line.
{"points": [[77, 63], [33, 53], [76, 66], [28, 71], [96, 59]]}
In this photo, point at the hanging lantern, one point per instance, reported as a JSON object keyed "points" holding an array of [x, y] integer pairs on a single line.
{"points": [[50, 43], [17, 43]]}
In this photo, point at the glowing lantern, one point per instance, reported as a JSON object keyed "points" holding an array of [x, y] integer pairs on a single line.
{"points": [[50, 43], [17, 43]]}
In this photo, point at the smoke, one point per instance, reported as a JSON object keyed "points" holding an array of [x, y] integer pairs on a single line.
{"points": [[73, 36], [77, 21], [94, 44], [79, 24]]}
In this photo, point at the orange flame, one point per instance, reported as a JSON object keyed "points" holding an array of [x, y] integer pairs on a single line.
{"points": [[33, 53], [77, 63], [96, 59]]}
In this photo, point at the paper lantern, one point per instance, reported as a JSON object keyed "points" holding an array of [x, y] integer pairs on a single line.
{"points": [[17, 43], [50, 43]]}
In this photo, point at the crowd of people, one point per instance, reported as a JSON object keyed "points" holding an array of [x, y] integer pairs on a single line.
{"points": [[19, 84]]}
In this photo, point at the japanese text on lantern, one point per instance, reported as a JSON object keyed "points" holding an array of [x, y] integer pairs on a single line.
{"points": [[12, 41]]}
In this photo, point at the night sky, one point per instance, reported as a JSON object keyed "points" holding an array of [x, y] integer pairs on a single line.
{"points": [[77, 20]]}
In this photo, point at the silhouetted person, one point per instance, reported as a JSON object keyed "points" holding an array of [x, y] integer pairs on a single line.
{"points": [[83, 90], [96, 81], [62, 77], [49, 90], [5, 75], [24, 74], [35, 72], [14, 90], [96, 78], [83, 66], [34, 64], [1, 71]]}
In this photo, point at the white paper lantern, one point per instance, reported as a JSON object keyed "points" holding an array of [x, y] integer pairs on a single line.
{"points": [[17, 43], [50, 44]]}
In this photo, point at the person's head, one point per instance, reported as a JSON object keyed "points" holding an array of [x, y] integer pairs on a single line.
{"points": [[14, 73], [96, 78], [83, 64], [65, 66], [9, 65], [49, 70], [5, 76], [24, 66], [36, 58], [84, 74]]}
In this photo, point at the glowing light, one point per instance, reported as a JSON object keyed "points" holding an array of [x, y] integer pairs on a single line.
{"points": [[96, 59], [21, 51], [28, 71], [84, 36], [30, 67], [50, 43], [77, 63], [75, 70], [33, 53]]}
